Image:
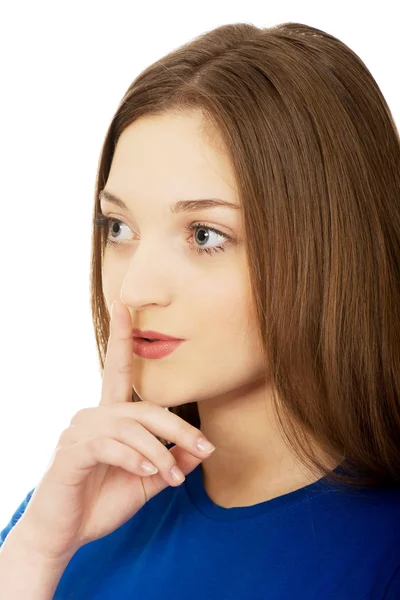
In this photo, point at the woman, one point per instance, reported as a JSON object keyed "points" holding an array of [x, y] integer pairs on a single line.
{"points": [[259, 168]]}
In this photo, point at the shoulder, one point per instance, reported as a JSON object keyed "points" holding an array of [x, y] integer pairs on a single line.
{"points": [[393, 588], [371, 527], [15, 517]]}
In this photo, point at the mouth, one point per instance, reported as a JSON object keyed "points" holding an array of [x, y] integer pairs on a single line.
{"points": [[152, 348], [152, 336]]}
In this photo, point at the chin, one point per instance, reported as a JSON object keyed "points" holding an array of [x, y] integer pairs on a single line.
{"points": [[163, 399], [153, 395]]}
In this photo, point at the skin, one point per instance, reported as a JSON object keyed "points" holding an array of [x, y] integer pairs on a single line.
{"points": [[205, 299]]}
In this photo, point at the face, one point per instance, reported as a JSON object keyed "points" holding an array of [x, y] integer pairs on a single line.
{"points": [[191, 284]]}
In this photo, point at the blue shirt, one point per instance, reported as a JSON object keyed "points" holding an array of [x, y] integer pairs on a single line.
{"points": [[320, 542]]}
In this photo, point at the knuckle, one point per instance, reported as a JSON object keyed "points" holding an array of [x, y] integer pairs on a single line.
{"points": [[145, 405], [65, 437], [80, 415], [96, 444], [124, 427], [186, 433], [124, 368]]}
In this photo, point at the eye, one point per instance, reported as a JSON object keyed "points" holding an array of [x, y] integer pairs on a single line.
{"points": [[108, 224], [214, 249]]}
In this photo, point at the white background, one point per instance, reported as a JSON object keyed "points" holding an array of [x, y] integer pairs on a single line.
{"points": [[64, 68]]}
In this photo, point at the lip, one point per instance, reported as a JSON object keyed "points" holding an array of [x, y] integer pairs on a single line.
{"points": [[153, 335], [154, 349]]}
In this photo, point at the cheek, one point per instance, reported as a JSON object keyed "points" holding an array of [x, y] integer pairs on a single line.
{"points": [[225, 311], [227, 349]]}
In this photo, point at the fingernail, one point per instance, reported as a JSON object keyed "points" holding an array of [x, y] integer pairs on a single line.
{"points": [[148, 467], [205, 446], [177, 474]]}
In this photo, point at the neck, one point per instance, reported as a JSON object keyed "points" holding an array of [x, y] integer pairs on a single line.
{"points": [[251, 463]]}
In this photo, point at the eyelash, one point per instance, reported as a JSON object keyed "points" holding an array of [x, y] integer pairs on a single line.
{"points": [[103, 222]]}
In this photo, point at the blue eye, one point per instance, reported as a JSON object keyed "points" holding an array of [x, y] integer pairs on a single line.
{"points": [[104, 223]]}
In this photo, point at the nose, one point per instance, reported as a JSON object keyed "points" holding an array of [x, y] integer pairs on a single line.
{"points": [[147, 280]]}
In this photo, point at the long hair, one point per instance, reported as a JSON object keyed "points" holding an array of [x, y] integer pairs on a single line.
{"points": [[316, 157]]}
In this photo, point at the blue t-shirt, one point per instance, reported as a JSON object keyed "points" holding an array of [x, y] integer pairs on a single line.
{"points": [[320, 542]]}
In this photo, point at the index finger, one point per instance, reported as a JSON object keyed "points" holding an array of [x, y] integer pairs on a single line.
{"points": [[118, 366]]}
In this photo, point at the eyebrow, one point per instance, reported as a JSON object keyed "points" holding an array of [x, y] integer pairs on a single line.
{"points": [[182, 206]]}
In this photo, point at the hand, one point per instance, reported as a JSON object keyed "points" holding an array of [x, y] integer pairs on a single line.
{"points": [[95, 482]]}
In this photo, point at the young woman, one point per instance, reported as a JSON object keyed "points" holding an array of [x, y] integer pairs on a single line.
{"points": [[246, 206]]}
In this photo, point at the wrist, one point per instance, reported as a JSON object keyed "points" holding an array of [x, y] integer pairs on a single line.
{"points": [[28, 543], [25, 572]]}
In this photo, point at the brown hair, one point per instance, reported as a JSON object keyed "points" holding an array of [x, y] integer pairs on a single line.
{"points": [[316, 157]]}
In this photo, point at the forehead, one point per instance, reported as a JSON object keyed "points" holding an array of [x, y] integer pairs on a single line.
{"points": [[168, 157]]}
